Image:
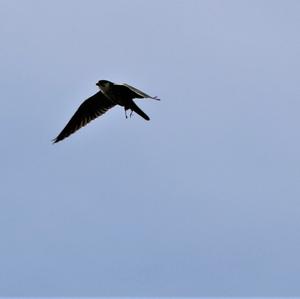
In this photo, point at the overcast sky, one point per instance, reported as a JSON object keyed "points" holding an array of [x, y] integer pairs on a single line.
{"points": [[203, 200]]}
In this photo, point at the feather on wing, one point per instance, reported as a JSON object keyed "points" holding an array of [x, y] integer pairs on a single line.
{"points": [[138, 93], [90, 109]]}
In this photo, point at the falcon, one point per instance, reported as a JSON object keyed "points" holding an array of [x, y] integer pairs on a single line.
{"points": [[110, 95]]}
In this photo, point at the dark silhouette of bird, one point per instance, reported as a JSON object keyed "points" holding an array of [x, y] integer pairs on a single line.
{"points": [[110, 95]]}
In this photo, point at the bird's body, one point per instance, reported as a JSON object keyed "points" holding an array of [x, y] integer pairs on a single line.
{"points": [[110, 95]]}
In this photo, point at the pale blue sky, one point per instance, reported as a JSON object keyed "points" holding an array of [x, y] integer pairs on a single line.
{"points": [[203, 200]]}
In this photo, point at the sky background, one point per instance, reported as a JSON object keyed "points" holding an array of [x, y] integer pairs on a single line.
{"points": [[203, 200]]}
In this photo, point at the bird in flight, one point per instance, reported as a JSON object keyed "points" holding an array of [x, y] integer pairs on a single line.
{"points": [[110, 95]]}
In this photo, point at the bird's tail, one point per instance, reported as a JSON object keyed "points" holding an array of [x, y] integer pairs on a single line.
{"points": [[137, 110]]}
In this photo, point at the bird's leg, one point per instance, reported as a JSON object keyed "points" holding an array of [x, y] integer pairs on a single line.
{"points": [[131, 113], [125, 112]]}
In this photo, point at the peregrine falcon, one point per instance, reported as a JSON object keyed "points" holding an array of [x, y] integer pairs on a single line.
{"points": [[110, 95]]}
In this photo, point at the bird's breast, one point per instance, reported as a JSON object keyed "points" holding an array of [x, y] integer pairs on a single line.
{"points": [[116, 98]]}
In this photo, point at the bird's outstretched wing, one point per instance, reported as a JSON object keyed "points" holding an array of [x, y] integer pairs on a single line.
{"points": [[136, 93], [90, 109]]}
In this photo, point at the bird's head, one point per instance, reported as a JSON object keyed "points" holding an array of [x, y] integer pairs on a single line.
{"points": [[104, 85]]}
